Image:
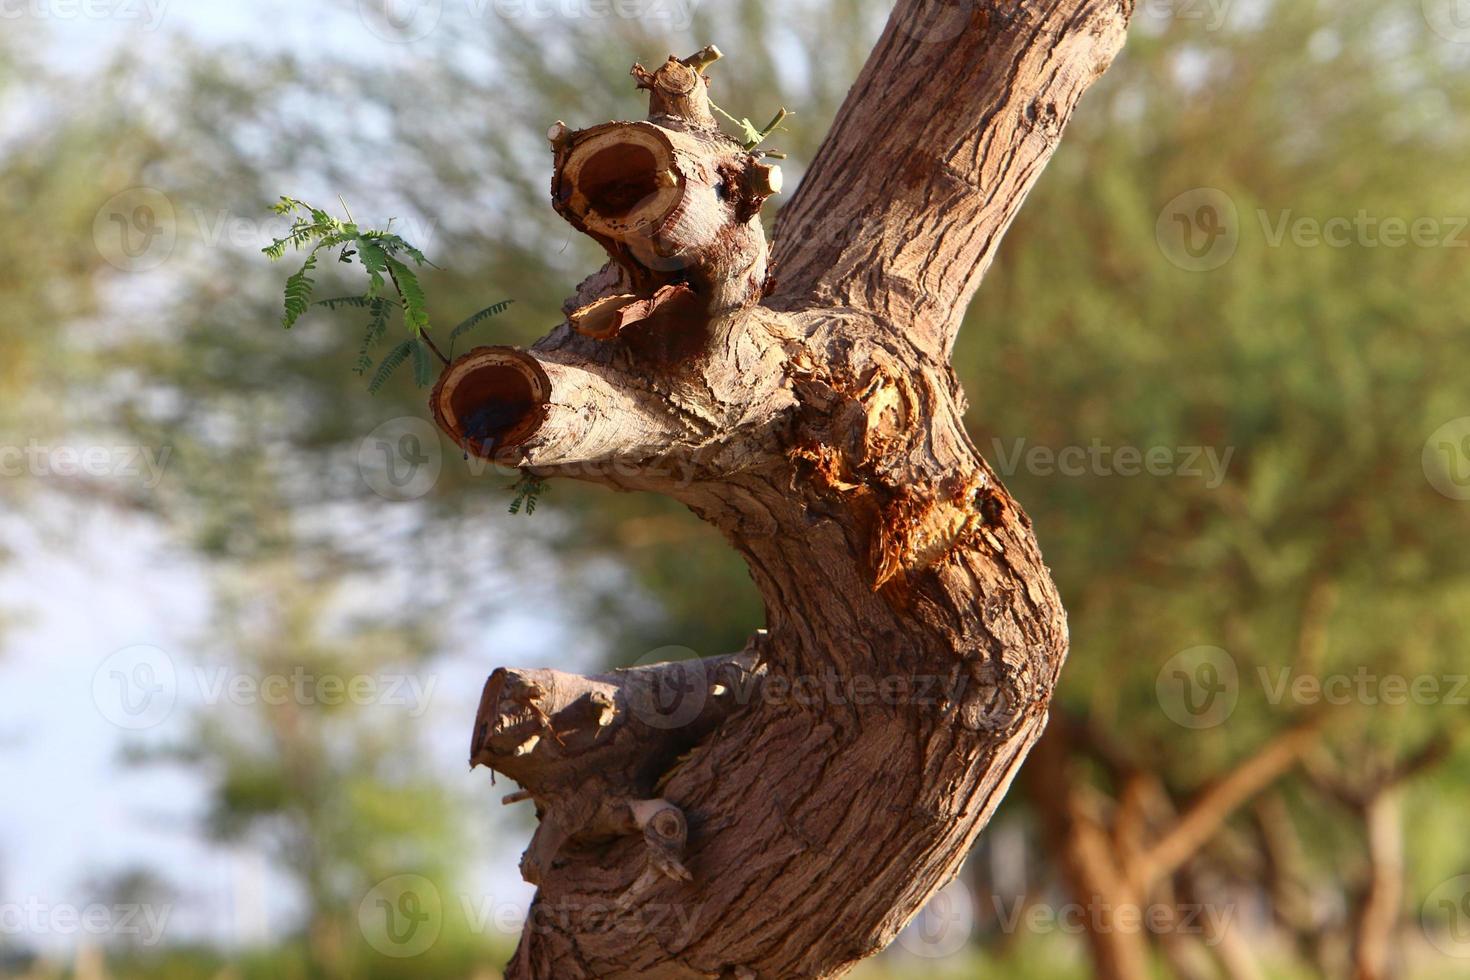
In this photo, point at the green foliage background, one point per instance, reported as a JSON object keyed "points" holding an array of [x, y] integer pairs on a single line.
{"points": [[1323, 369]]}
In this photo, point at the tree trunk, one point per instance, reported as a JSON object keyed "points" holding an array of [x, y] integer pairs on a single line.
{"points": [[1378, 918], [784, 812], [1120, 854], [1090, 863]]}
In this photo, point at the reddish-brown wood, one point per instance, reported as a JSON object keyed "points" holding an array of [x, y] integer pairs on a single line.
{"points": [[814, 791]]}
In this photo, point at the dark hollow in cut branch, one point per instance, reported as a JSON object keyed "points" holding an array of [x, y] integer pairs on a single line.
{"points": [[674, 201], [557, 413], [617, 178], [670, 206], [621, 180], [491, 399]]}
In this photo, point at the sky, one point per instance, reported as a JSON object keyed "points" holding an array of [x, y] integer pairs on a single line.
{"points": [[99, 595]]}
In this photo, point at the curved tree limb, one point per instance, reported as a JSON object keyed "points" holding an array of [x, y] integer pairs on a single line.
{"points": [[1204, 816], [913, 635], [953, 118], [1122, 854]]}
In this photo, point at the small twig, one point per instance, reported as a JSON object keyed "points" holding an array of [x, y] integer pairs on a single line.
{"points": [[776, 120], [753, 136], [433, 347], [704, 57], [423, 334]]}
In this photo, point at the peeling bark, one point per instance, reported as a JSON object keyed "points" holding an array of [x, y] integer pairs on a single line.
{"points": [[832, 777]]}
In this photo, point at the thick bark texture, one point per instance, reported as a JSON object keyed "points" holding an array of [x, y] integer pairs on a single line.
{"points": [[782, 813]]}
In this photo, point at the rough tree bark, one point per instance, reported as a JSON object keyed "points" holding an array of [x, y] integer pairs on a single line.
{"points": [[783, 812]]}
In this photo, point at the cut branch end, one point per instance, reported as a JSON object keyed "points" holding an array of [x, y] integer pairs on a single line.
{"points": [[491, 400]]}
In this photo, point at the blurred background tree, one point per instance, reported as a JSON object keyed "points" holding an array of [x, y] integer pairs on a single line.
{"points": [[1316, 548]]}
